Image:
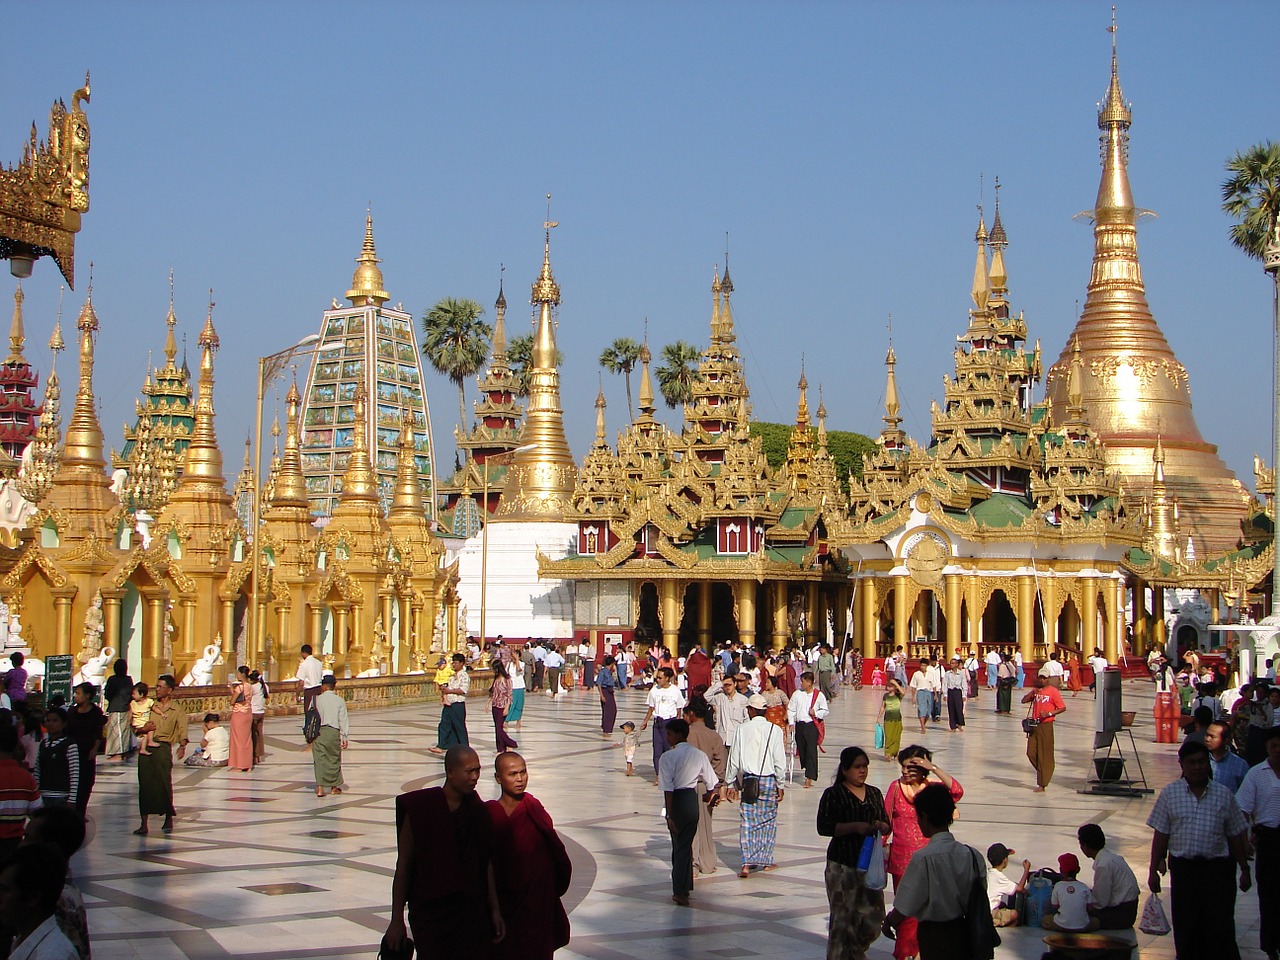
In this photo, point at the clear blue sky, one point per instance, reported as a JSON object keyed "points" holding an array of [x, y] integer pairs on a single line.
{"points": [[839, 145]]}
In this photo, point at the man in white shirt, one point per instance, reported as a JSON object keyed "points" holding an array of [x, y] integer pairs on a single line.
{"points": [[30, 885], [665, 702], [1115, 888], [539, 665], [680, 768], [921, 693], [730, 707], [993, 664], [452, 731], [1052, 670], [759, 753], [1259, 798], [805, 712], [309, 673], [553, 661], [1099, 664], [935, 672]]}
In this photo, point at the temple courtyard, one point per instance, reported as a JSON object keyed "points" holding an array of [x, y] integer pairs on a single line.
{"points": [[258, 867]]}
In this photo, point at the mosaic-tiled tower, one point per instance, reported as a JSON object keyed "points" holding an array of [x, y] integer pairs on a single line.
{"points": [[368, 344]]}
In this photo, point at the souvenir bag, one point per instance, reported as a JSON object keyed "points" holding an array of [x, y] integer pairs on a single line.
{"points": [[311, 724], [820, 724], [876, 878], [879, 736], [1153, 919]]}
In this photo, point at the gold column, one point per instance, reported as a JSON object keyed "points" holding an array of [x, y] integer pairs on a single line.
{"points": [[153, 638], [111, 624], [951, 601], [901, 619], [668, 597], [188, 638], [975, 623], [282, 639], [62, 606], [1159, 630], [427, 622], [920, 618], [704, 616], [812, 634], [747, 612], [1111, 635], [1214, 600], [451, 624], [228, 629], [1051, 632], [867, 597], [780, 637], [341, 614], [1088, 615], [1139, 616], [1026, 613], [316, 639]]}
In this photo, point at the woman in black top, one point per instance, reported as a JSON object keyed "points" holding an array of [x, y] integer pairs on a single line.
{"points": [[117, 693], [851, 810]]}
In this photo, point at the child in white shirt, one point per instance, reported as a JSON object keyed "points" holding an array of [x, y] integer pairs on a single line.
{"points": [[1072, 898]]}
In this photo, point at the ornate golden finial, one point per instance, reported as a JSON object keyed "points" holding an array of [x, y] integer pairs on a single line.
{"points": [[359, 484], [545, 288], [1114, 110], [17, 337], [646, 404], [56, 343], [406, 501], [802, 408], [981, 292], [726, 284], [290, 486], [204, 458], [366, 282], [171, 321], [1157, 457], [891, 406], [715, 305], [88, 319], [499, 345], [83, 447], [600, 424], [725, 334], [1075, 383], [1115, 115], [998, 240]]}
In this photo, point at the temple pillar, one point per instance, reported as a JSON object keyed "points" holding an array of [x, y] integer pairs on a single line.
{"points": [[341, 616], [1051, 639], [1111, 633], [843, 602], [316, 637], [62, 620], [187, 642], [668, 597], [1159, 633], [275, 656], [920, 626], [746, 590], [1139, 615], [867, 597], [1213, 599], [228, 629], [812, 634], [1025, 611], [451, 624], [951, 606], [976, 639], [704, 617], [1088, 615], [426, 626], [901, 619], [390, 632], [111, 624], [153, 638], [780, 636]]}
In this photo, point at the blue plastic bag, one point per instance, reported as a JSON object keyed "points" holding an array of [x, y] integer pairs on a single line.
{"points": [[1039, 903], [879, 736]]}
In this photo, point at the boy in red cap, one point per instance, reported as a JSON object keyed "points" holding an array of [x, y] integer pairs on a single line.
{"points": [[1072, 898]]}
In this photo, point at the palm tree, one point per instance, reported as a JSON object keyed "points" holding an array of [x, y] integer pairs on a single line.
{"points": [[1251, 196], [678, 372], [621, 356], [456, 344], [520, 360]]}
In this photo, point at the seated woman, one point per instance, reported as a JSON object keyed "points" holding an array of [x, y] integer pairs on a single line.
{"points": [[214, 748]]}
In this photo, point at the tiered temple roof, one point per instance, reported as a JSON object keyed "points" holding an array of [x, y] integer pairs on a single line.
{"points": [[19, 416]]}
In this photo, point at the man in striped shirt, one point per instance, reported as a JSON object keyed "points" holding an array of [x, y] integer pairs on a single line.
{"points": [[18, 792]]}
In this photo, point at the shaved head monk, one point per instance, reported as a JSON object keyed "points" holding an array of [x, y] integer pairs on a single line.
{"points": [[444, 872]]}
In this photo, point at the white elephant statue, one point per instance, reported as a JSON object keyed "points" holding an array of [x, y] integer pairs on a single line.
{"points": [[201, 672], [95, 668]]}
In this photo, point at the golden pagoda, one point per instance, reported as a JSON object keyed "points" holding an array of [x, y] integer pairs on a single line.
{"points": [[1133, 387]]}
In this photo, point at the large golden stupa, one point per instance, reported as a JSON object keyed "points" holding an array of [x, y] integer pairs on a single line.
{"points": [[1135, 390]]}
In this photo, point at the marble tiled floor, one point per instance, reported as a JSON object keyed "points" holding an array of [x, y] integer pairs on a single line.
{"points": [[259, 867]]}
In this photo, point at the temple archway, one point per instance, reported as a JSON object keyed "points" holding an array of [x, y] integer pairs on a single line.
{"points": [[648, 612], [999, 622]]}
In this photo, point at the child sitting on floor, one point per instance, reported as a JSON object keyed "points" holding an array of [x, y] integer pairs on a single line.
{"points": [[1072, 898]]}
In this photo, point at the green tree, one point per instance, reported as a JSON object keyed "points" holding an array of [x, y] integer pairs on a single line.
{"points": [[1251, 196], [845, 446], [621, 356], [456, 343], [520, 360], [678, 372]]}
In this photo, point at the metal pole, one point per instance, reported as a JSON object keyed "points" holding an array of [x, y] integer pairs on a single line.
{"points": [[484, 552], [1272, 260], [254, 619]]}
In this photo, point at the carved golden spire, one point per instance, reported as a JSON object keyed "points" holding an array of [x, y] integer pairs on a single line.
{"points": [[646, 404], [291, 486], [802, 408], [1075, 386], [83, 446], [1157, 457], [406, 501], [204, 458], [998, 240], [822, 420], [541, 479], [981, 292], [1132, 386], [891, 407], [171, 321], [715, 304], [498, 350], [17, 337], [600, 424], [726, 333], [359, 485], [366, 283]]}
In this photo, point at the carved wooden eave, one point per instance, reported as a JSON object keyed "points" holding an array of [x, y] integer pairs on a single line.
{"points": [[1221, 573], [33, 556], [758, 567], [335, 580]]}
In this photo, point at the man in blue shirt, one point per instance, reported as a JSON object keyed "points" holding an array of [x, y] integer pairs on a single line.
{"points": [[1228, 768]]}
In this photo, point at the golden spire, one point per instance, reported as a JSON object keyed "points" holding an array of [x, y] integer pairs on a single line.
{"points": [[291, 486], [822, 419], [83, 446], [359, 485], [802, 409], [1075, 385], [1115, 114], [204, 458], [498, 351], [1157, 457], [981, 284], [715, 304], [366, 283], [646, 404], [891, 407], [541, 479], [406, 501], [16, 335], [600, 424], [726, 334], [171, 321], [998, 240]]}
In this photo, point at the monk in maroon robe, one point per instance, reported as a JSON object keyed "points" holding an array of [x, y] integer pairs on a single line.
{"points": [[444, 869], [531, 867], [697, 669]]}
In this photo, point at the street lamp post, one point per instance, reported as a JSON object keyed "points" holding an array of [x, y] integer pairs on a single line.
{"points": [[1271, 263], [499, 459], [269, 367]]}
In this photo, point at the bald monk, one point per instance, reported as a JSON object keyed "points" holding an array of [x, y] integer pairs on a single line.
{"points": [[444, 871], [530, 865]]}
